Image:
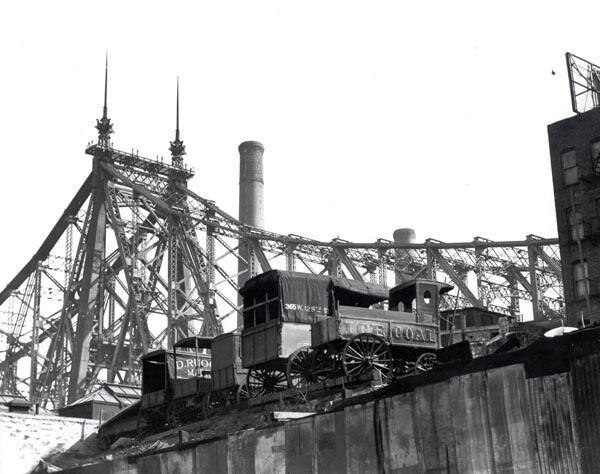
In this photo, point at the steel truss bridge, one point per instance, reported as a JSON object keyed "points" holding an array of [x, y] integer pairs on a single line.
{"points": [[137, 260]]}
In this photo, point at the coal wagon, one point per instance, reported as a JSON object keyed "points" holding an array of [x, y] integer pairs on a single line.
{"points": [[278, 311], [355, 340]]}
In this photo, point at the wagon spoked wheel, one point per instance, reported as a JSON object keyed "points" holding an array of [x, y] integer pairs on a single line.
{"points": [[365, 352], [262, 381], [304, 367], [425, 362]]}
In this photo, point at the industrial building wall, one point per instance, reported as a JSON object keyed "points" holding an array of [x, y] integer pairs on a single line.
{"points": [[577, 133], [491, 421]]}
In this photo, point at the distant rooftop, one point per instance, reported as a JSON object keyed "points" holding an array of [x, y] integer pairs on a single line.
{"points": [[112, 394], [6, 398]]}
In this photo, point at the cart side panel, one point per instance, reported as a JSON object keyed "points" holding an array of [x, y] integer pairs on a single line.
{"points": [[247, 347], [253, 346], [184, 388], [324, 331], [217, 376], [400, 333], [239, 373], [273, 341], [153, 399], [228, 377], [224, 351], [294, 336], [261, 343], [224, 378]]}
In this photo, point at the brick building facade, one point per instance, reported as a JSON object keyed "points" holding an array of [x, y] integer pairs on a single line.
{"points": [[575, 160]]}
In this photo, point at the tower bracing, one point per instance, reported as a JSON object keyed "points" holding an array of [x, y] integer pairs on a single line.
{"points": [[138, 261]]}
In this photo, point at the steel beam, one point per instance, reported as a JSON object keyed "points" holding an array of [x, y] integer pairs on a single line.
{"points": [[343, 258], [259, 254], [50, 241], [90, 300], [456, 279]]}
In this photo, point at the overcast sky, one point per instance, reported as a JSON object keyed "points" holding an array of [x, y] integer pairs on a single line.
{"points": [[374, 115]]}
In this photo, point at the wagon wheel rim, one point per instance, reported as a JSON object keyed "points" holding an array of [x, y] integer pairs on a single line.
{"points": [[402, 366], [262, 381], [425, 362], [207, 404], [138, 425], [331, 359], [143, 425], [201, 404], [242, 393], [174, 414], [304, 368], [230, 397], [365, 352]]}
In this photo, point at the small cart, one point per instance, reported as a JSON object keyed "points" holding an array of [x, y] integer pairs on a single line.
{"points": [[192, 382], [169, 379], [228, 376]]}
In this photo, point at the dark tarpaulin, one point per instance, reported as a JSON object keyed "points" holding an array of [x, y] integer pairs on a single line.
{"points": [[263, 283], [357, 293], [194, 342], [304, 297]]}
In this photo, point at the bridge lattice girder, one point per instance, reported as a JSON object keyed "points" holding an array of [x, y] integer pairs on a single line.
{"points": [[138, 260]]}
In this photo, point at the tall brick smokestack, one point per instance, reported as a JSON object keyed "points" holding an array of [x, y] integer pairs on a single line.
{"points": [[251, 209]]}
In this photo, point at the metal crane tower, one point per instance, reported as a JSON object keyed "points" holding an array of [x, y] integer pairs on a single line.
{"points": [[137, 260]]}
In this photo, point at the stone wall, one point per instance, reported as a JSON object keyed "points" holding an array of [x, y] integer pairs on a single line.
{"points": [[25, 439]]}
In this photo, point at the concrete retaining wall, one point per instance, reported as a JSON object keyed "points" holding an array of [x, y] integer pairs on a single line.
{"points": [[25, 439], [490, 421]]}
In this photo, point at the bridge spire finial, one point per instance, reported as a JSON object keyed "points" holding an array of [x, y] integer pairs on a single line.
{"points": [[103, 125], [177, 147]]}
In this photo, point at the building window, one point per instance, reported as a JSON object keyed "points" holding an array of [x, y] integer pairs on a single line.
{"points": [[595, 152], [575, 221], [569, 165], [580, 275]]}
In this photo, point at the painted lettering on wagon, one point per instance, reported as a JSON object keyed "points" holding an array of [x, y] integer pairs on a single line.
{"points": [[186, 367], [396, 333], [306, 308]]}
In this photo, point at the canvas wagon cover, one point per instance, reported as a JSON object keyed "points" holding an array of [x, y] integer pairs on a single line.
{"points": [[305, 297], [357, 293]]}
